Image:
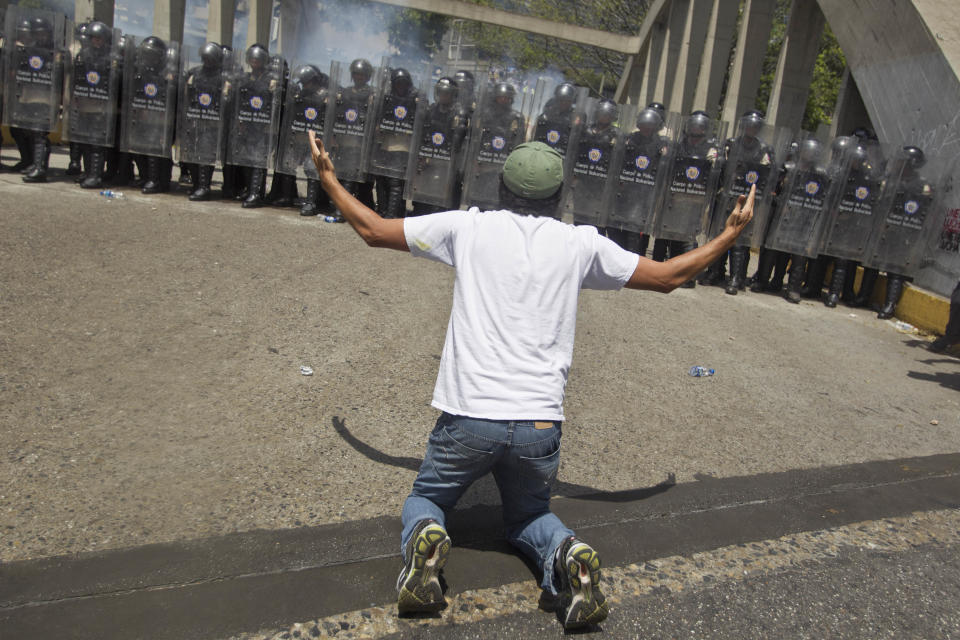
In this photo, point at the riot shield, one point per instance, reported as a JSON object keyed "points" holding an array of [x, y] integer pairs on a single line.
{"points": [[33, 61], [693, 171], [497, 127], [395, 116], [439, 130], [847, 230], [750, 159], [149, 103], [200, 107], [641, 162], [308, 108], [906, 210], [352, 125], [560, 121], [253, 95], [93, 84], [584, 194], [805, 199]]}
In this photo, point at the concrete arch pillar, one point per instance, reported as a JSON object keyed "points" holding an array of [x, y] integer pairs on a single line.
{"points": [[258, 27], [791, 84], [755, 24], [220, 21], [168, 16], [716, 54], [86, 10]]}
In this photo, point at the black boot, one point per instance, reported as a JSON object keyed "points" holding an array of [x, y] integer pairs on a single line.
{"points": [[41, 158], [848, 295], [813, 282], [188, 175], [761, 279], [309, 206], [836, 282], [780, 262], [714, 274], [152, 184], [894, 291], [76, 153], [255, 188], [95, 159], [286, 191], [204, 176], [738, 268], [866, 288], [24, 144], [795, 282]]}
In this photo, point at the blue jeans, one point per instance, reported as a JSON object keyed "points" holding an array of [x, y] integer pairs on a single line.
{"points": [[524, 460]]}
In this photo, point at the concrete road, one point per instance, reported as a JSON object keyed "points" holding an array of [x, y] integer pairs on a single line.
{"points": [[159, 438]]}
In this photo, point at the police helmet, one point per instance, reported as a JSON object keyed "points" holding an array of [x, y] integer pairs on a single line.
{"points": [[606, 112], [914, 156], [211, 54], [751, 121], [809, 151], [842, 144], [565, 91], [465, 80], [400, 81], [505, 91], [863, 133], [697, 124], [649, 121], [152, 50], [445, 90], [658, 107], [361, 67], [80, 30], [257, 56], [309, 77], [42, 30], [99, 30]]}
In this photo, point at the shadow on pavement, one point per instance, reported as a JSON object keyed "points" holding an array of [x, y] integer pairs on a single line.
{"points": [[946, 380]]}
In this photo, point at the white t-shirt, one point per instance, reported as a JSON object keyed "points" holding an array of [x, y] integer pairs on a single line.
{"points": [[510, 336]]}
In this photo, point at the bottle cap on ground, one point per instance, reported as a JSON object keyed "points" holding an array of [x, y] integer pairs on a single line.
{"points": [[533, 170]]}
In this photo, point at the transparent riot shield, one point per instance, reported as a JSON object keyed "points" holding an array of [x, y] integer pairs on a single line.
{"points": [[691, 182], [560, 120], [750, 159], [149, 102], [439, 131], [93, 84], [907, 207], [352, 126], [851, 220], [309, 107], [253, 96], [498, 125], [200, 108], [805, 200], [33, 60], [584, 194], [940, 255], [394, 119], [641, 163]]}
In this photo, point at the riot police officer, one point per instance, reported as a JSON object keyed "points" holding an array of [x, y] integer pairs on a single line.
{"points": [[637, 181], [353, 107], [233, 180], [435, 179], [21, 136], [466, 92], [201, 114], [283, 186], [95, 80], [253, 130], [498, 129], [558, 119], [393, 138], [150, 110], [75, 166], [743, 155], [305, 110], [592, 165]]}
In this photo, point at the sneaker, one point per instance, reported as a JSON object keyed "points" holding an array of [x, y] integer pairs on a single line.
{"points": [[418, 586], [578, 570]]}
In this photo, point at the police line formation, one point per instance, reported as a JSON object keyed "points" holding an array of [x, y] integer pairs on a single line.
{"points": [[632, 172]]}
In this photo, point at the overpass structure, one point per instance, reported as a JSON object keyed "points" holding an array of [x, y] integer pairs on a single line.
{"points": [[903, 57]]}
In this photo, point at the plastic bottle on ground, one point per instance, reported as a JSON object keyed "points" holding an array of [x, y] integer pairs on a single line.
{"points": [[700, 372]]}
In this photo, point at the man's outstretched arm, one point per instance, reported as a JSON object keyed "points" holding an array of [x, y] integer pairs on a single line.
{"points": [[375, 231], [667, 276]]}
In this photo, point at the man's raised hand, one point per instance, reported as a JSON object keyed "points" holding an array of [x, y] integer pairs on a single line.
{"points": [[321, 159], [743, 212]]}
